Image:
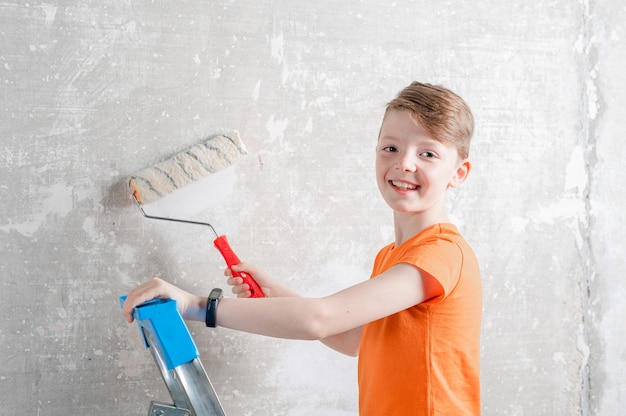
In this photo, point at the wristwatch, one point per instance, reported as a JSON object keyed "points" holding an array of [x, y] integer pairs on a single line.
{"points": [[211, 307]]}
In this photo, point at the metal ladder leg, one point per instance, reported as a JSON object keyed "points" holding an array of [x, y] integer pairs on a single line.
{"points": [[167, 337]]}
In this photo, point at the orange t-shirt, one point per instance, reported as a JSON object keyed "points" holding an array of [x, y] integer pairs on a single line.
{"points": [[425, 360]]}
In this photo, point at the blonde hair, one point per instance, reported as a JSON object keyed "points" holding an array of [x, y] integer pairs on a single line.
{"points": [[440, 111]]}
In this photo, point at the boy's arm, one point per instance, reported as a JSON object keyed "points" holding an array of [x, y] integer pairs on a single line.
{"points": [[346, 342], [399, 288], [336, 318]]}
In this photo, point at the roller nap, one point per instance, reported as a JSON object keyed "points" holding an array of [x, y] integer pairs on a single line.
{"points": [[216, 153]]}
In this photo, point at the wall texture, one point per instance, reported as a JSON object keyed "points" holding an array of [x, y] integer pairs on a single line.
{"points": [[92, 91]]}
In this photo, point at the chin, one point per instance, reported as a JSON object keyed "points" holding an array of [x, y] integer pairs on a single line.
{"points": [[404, 209]]}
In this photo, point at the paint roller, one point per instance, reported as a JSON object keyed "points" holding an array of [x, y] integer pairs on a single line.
{"points": [[183, 170]]}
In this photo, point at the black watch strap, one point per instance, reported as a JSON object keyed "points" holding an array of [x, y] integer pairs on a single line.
{"points": [[211, 307]]}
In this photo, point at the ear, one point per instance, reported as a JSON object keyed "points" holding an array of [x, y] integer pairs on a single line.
{"points": [[462, 171]]}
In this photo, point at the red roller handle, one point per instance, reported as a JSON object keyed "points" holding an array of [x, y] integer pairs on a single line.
{"points": [[232, 260]]}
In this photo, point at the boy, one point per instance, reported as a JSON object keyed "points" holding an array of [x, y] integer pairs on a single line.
{"points": [[415, 324]]}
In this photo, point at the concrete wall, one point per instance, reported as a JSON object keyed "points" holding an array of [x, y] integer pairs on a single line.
{"points": [[93, 91]]}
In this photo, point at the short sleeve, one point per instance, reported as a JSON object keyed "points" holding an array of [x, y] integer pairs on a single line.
{"points": [[440, 258]]}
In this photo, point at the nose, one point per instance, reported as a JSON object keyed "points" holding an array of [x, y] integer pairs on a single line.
{"points": [[407, 162]]}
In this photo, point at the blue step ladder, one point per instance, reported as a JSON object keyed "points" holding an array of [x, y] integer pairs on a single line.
{"points": [[167, 337]]}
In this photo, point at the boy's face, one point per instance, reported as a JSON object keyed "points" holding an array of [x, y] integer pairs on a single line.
{"points": [[413, 170]]}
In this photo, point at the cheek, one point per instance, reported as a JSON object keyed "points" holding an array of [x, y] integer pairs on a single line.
{"points": [[380, 172], [378, 166]]}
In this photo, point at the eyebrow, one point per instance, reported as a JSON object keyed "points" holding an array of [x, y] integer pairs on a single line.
{"points": [[430, 140]]}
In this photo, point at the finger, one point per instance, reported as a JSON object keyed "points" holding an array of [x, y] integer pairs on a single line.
{"points": [[139, 295], [244, 294], [238, 289], [130, 303], [242, 291], [129, 317], [240, 267], [234, 281]]}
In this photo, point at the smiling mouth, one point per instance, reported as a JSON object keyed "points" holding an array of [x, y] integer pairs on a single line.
{"points": [[404, 186]]}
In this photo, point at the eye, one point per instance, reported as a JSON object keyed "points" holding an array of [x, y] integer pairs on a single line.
{"points": [[428, 155], [390, 149]]}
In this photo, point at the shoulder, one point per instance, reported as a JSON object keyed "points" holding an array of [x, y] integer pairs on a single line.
{"points": [[440, 238], [442, 253]]}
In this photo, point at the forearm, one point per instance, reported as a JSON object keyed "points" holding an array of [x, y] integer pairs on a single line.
{"points": [[308, 318], [283, 292], [280, 317]]}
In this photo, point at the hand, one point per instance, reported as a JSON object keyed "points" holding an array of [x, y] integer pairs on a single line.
{"points": [[242, 290], [269, 286], [189, 306]]}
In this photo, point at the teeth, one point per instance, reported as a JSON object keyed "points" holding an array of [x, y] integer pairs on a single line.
{"points": [[403, 185]]}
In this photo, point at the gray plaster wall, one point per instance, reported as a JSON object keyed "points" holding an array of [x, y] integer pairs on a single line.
{"points": [[92, 91]]}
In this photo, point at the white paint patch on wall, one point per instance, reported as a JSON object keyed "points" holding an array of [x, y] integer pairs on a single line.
{"points": [[324, 391], [576, 176], [277, 48], [276, 129], [257, 90], [566, 208], [607, 364], [50, 11], [196, 197], [54, 200], [89, 227], [592, 94]]}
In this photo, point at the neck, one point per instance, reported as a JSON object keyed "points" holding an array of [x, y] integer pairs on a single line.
{"points": [[408, 225]]}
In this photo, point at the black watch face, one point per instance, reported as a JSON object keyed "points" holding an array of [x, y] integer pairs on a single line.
{"points": [[215, 293]]}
